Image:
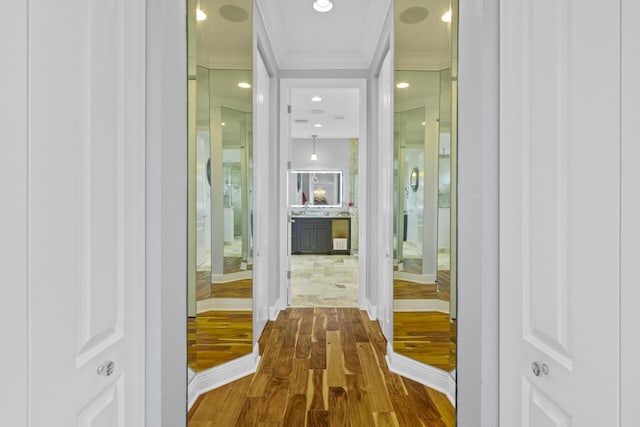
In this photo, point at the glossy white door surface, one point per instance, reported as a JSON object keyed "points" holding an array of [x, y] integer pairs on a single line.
{"points": [[559, 213], [86, 212]]}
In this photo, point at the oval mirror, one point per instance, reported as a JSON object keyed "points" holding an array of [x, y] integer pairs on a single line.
{"points": [[413, 179]]}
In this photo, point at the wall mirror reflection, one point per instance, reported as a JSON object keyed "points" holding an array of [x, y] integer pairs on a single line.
{"points": [[424, 182], [220, 205], [315, 188]]}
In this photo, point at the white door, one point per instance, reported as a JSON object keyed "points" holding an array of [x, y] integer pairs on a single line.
{"points": [[86, 212], [559, 213]]}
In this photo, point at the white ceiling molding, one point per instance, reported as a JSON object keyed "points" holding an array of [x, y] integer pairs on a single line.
{"points": [[422, 61], [302, 38], [324, 60], [226, 61]]}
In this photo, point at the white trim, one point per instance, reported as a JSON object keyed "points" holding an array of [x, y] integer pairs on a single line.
{"points": [[224, 304], [423, 279], [231, 277], [372, 310], [218, 376], [408, 305], [275, 309], [286, 84], [434, 378]]}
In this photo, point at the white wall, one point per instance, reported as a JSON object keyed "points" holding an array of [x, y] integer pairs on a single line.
{"points": [[630, 227], [263, 44], [166, 213], [478, 256], [14, 286]]}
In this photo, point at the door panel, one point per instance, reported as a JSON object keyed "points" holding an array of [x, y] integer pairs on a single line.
{"points": [[86, 212], [559, 212]]}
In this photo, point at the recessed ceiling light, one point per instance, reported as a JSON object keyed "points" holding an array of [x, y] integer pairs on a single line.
{"points": [[223, 124], [402, 85], [424, 123], [200, 15], [233, 13], [322, 5], [244, 85], [317, 125], [316, 99], [446, 17], [413, 15]]}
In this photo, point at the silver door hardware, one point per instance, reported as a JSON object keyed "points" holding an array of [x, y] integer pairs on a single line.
{"points": [[539, 369], [106, 369]]}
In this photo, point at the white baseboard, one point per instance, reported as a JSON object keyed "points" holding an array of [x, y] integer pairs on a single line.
{"points": [[218, 376], [421, 305], [274, 310], [231, 277], [372, 310], [224, 304], [417, 278], [427, 375]]}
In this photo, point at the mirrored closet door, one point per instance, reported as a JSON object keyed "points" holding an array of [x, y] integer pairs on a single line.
{"points": [[424, 195], [220, 204]]}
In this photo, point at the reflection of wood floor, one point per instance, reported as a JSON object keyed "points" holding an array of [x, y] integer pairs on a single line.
{"points": [[403, 289], [322, 366], [215, 337], [411, 265], [236, 289], [427, 337], [233, 265]]}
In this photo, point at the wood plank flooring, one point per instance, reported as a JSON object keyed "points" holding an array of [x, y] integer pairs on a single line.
{"points": [[236, 289], [216, 337], [403, 289], [322, 367], [428, 337]]}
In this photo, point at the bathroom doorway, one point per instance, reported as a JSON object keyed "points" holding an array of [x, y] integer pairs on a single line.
{"points": [[324, 150]]}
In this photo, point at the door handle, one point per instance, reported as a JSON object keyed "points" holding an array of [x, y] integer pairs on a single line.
{"points": [[539, 369], [106, 369]]}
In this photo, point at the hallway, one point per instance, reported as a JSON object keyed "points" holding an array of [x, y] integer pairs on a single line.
{"points": [[322, 366]]}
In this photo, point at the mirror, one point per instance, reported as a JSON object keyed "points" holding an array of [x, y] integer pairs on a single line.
{"points": [[424, 182], [414, 179], [220, 202], [315, 188]]}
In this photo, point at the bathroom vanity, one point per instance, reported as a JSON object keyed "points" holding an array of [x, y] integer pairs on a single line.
{"points": [[320, 235]]}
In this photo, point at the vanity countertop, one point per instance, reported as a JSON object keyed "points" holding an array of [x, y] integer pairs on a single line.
{"points": [[320, 214]]}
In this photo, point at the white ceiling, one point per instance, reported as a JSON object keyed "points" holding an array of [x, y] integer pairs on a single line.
{"points": [[345, 37], [222, 43], [342, 102]]}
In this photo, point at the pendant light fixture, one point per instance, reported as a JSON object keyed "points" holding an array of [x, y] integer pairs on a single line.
{"points": [[314, 156]]}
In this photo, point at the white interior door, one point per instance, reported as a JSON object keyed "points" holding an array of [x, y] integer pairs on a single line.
{"points": [[86, 212], [559, 213]]}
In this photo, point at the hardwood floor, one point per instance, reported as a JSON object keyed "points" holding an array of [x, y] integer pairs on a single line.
{"points": [[428, 337], [403, 289], [215, 337], [322, 367], [236, 289]]}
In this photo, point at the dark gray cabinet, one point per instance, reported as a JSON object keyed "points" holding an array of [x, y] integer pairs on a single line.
{"points": [[315, 235]]}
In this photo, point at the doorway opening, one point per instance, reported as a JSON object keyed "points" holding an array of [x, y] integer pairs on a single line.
{"points": [[324, 194]]}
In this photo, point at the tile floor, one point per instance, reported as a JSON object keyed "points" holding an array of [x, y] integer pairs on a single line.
{"points": [[324, 281]]}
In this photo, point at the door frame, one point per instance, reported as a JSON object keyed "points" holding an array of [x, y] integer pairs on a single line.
{"points": [[477, 375], [286, 84]]}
